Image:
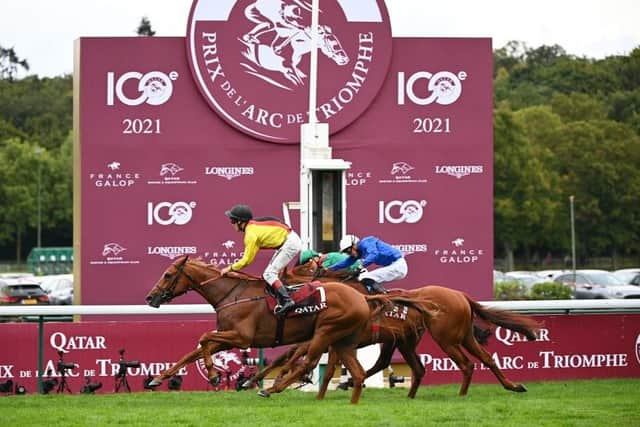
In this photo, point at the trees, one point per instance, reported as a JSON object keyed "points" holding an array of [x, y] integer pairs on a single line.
{"points": [[144, 28], [566, 126], [10, 63]]}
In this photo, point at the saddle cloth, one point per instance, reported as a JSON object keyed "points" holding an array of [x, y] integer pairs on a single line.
{"points": [[309, 297]]}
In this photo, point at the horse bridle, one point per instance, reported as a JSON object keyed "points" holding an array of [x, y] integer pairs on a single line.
{"points": [[167, 294]]}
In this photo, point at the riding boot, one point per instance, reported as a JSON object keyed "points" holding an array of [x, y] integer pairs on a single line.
{"points": [[285, 303], [373, 287]]}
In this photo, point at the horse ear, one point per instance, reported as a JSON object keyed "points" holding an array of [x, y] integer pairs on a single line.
{"points": [[183, 261]]}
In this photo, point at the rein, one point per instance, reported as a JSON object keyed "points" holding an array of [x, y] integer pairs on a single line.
{"points": [[168, 293], [219, 307]]}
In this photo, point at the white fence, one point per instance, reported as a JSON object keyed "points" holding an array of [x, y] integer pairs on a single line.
{"points": [[532, 307]]}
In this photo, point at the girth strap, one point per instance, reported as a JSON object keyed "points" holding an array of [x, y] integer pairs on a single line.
{"points": [[279, 330]]}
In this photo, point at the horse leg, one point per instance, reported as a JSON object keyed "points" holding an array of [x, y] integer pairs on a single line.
{"points": [[383, 360], [185, 360], [311, 360], [464, 364], [349, 359], [328, 373], [299, 352], [483, 355], [285, 357], [318, 345], [213, 342], [408, 351]]}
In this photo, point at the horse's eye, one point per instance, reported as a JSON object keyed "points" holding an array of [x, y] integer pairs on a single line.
{"points": [[167, 276]]}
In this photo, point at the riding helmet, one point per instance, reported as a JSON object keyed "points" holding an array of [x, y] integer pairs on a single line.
{"points": [[305, 256], [347, 241], [240, 213]]}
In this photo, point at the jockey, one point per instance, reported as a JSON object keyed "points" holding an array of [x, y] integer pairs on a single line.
{"points": [[326, 260], [268, 15], [266, 233], [372, 250]]}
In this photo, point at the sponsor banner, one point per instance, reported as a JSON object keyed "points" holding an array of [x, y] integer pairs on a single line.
{"points": [[96, 350], [569, 347]]}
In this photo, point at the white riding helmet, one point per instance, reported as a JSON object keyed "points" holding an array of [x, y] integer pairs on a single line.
{"points": [[348, 240]]}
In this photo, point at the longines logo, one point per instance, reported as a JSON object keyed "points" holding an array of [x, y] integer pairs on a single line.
{"points": [[411, 248], [171, 252], [229, 172], [250, 60], [459, 171]]}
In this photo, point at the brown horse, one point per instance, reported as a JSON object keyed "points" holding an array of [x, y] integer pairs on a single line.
{"points": [[452, 329], [244, 320]]}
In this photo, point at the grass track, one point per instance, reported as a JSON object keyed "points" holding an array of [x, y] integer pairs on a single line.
{"points": [[573, 403]]}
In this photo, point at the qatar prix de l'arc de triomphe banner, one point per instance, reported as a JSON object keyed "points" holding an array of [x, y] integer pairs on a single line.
{"points": [[171, 132]]}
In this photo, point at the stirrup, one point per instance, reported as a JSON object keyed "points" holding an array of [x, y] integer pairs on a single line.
{"points": [[282, 309], [377, 288]]}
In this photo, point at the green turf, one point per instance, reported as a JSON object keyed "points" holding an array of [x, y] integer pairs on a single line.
{"points": [[572, 403]]}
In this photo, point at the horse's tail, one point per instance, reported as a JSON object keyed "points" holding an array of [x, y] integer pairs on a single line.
{"points": [[525, 325], [481, 334]]}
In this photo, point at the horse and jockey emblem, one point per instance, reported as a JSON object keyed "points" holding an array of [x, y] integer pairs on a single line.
{"points": [[251, 61], [280, 39]]}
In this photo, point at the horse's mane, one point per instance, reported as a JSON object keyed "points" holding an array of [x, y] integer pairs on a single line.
{"points": [[214, 267]]}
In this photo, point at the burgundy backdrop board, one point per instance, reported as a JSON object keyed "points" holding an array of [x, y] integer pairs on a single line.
{"points": [[158, 167], [570, 347]]}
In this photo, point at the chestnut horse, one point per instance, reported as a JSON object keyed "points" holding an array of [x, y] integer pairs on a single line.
{"points": [[452, 329], [244, 320]]}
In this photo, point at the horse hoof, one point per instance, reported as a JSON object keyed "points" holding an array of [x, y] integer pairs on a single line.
{"points": [[215, 381], [264, 393], [246, 385], [520, 388]]}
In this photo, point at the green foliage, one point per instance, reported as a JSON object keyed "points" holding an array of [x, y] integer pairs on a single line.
{"points": [[510, 290], [550, 290], [566, 126], [10, 63]]}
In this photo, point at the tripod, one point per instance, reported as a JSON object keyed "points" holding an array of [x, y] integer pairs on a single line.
{"points": [[62, 384], [121, 379]]}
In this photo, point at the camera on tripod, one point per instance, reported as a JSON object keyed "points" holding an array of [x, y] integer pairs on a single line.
{"points": [[121, 376], [124, 364], [394, 379], [89, 387], [251, 361], [63, 366]]}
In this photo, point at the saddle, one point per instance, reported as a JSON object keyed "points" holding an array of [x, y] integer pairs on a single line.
{"points": [[306, 296]]}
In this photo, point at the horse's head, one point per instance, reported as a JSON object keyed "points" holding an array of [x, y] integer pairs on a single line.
{"points": [[331, 46], [174, 282]]}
